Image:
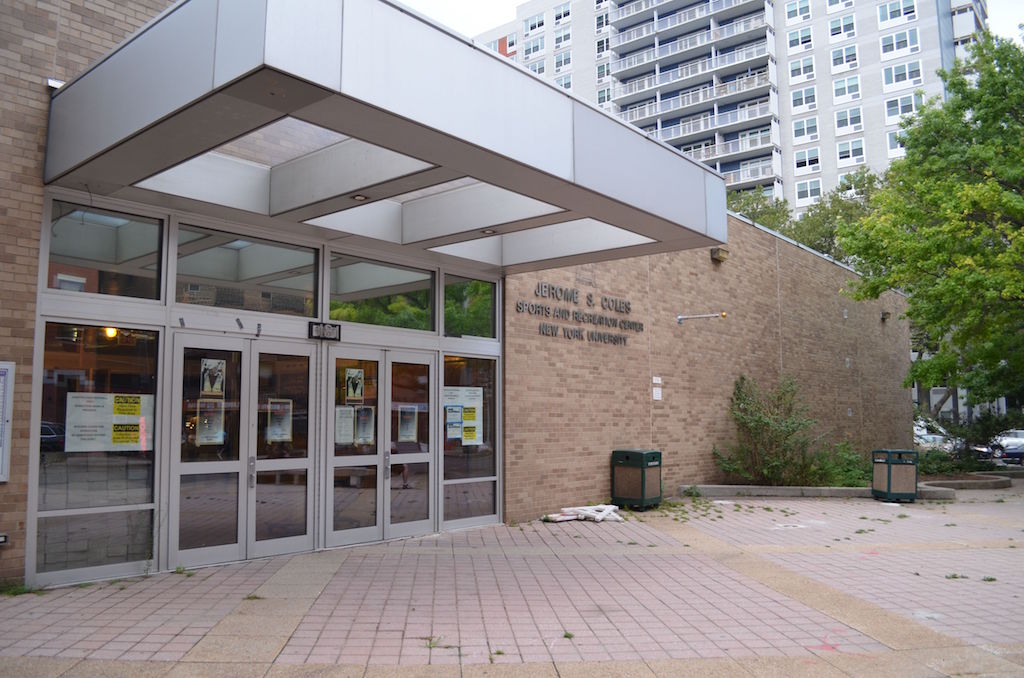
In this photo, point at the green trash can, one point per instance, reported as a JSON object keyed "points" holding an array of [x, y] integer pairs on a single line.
{"points": [[636, 478], [894, 475]]}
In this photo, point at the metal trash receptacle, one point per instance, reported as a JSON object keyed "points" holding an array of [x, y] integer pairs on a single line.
{"points": [[894, 475], [636, 478]]}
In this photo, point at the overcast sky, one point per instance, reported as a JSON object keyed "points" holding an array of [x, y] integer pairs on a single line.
{"points": [[472, 17]]}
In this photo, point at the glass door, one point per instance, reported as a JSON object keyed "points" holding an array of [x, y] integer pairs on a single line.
{"points": [[240, 474], [279, 464], [381, 473]]}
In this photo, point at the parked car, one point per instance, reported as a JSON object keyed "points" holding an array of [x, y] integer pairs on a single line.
{"points": [[1009, 455], [1007, 439], [51, 436], [933, 441]]}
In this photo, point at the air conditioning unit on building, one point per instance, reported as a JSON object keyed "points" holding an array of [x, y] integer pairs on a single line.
{"points": [[857, 128], [813, 137], [917, 81], [855, 96], [915, 48], [860, 160]]}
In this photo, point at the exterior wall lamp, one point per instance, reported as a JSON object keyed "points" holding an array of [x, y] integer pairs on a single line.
{"points": [[681, 318]]}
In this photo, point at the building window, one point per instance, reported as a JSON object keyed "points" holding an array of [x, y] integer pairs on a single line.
{"points": [[808, 192], [104, 252], [602, 46], [808, 127], [800, 39], [850, 152], [798, 10], [470, 449], [375, 293], [846, 89], [562, 12], [215, 269], [900, 106], [895, 11], [901, 75], [844, 58], [533, 23], [533, 47], [603, 71], [899, 44], [807, 160], [562, 60], [805, 99], [801, 70], [841, 28], [470, 307], [604, 95], [536, 66], [848, 120], [98, 410], [896, 149], [601, 21], [562, 37], [836, 5], [564, 81], [510, 41]]}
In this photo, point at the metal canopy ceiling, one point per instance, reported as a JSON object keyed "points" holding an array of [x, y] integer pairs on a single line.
{"points": [[361, 120]]}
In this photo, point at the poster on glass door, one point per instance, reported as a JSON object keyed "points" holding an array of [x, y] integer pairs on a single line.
{"points": [[466, 403], [108, 422], [279, 420]]}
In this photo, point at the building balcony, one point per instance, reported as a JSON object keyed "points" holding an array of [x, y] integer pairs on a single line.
{"points": [[722, 122], [737, 149], [749, 87], [643, 12], [748, 177], [683, 47], [676, 77]]}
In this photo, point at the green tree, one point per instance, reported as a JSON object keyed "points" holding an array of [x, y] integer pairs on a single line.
{"points": [[845, 205], [947, 226], [760, 208]]}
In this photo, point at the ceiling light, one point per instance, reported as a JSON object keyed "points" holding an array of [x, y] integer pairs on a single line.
{"points": [[488, 231], [359, 197]]}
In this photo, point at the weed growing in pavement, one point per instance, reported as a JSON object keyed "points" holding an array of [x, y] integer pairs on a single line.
{"points": [[950, 525], [253, 596], [8, 588], [988, 579], [903, 515], [433, 641], [568, 634], [957, 576]]}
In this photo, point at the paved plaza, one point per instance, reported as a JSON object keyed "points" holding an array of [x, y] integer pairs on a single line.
{"points": [[726, 587]]}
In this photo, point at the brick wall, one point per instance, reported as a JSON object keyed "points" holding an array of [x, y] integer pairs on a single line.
{"points": [[569, 402], [39, 40]]}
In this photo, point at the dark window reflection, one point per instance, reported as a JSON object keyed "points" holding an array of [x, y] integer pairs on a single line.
{"points": [[469, 500], [208, 510], [97, 433], [469, 307], [280, 504], [355, 497], [211, 385]]}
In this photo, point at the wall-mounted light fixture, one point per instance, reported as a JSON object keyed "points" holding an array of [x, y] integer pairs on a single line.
{"points": [[359, 197], [681, 318], [719, 254], [886, 315]]}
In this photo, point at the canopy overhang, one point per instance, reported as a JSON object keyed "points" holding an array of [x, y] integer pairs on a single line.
{"points": [[361, 120]]}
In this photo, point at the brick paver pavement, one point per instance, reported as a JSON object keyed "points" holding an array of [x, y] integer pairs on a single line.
{"points": [[805, 583]]}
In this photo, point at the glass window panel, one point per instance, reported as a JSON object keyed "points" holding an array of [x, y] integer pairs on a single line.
{"points": [[94, 539], [280, 504], [355, 497], [364, 291], [470, 436], [94, 250], [355, 411], [211, 382], [410, 492], [410, 408], [469, 307], [226, 271], [98, 417], [283, 407], [208, 510], [469, 500]]}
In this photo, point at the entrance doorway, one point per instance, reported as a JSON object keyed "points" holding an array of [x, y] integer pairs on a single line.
{"points": [[381, 456], [242, 462]]}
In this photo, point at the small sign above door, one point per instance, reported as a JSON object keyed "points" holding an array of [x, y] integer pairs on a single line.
{"points": [[325, 331]]}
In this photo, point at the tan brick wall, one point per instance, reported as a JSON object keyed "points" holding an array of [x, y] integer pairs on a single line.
{"points": [[38, 40], [569, 403]]}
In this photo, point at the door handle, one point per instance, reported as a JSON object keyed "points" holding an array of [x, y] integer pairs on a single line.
{"points": [[252, 473], [387, 467]]}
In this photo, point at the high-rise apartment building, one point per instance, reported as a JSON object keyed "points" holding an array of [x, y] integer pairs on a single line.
{"points": [[786, 98]]}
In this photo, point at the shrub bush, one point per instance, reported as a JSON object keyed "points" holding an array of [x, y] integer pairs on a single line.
{"points": [[774, 446]]}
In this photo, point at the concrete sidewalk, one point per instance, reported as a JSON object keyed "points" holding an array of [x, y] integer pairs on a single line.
{"points": [[726, 587]]}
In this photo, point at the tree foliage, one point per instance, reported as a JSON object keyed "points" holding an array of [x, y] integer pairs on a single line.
{"points": [[946, 227], [762, 209], [845, 205]]}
